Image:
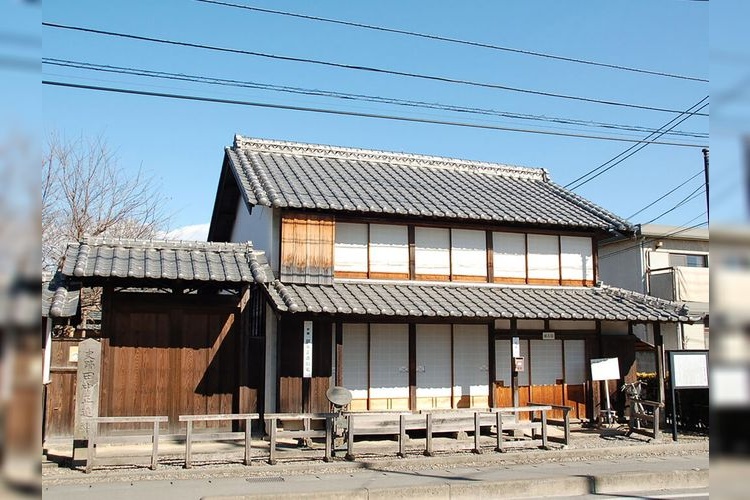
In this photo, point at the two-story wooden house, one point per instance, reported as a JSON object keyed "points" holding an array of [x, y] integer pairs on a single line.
{"points": [[405, 278]]}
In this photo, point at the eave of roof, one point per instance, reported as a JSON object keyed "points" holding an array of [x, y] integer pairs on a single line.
{"points": [[170, 260], [471, 301]]}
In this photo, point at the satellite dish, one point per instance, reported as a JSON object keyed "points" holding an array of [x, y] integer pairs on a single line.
{"points": [[339, 396]]}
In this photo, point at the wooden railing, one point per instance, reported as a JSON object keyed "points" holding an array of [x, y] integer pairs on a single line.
{"points": [[189, 438], [637, 417], [307, 432], [436, 421], [566, 419], [358, 423], [94, 438]]}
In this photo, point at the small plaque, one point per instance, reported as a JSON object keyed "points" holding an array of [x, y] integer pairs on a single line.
{"points": [[307, 349], [516, 347], [548, 335], [518, 364]]}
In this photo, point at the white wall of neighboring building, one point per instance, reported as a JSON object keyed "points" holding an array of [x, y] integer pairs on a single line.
{"points": [[261, 227], [620, 265]]}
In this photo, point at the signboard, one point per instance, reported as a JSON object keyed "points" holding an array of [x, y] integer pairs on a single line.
{"points": [[518, 364], [307, 349], [515, 347], [605, 369], [690, 369], [548, 335], [687, 370]]}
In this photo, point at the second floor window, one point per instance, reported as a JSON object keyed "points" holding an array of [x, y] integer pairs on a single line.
{"points": [[687, 260]]}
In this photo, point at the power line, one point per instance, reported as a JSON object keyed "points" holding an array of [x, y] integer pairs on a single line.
{"points": [[348, 96], [451, 40], [694, 194], [358, 68], [352, 113], [635, 148], [657, 200]]}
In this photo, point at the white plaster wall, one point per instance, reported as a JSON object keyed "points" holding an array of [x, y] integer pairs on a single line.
{"points": [[620, 265], [261, 227]]}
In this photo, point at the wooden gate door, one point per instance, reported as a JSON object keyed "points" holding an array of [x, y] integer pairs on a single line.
{"points": [[61, 391]]}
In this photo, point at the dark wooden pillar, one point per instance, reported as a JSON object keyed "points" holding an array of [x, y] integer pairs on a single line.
{"points": [[339, 353]]}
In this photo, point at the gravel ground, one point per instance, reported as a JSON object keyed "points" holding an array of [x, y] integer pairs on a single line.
{"points": [[223, 460]]}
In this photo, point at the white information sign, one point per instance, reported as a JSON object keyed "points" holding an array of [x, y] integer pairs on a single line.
{"points": [[690, 370], [516, 347], [548, 335], [307, 349], [605, 369]]}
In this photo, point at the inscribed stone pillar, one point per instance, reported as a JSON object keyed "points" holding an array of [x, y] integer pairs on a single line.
{"points": [[87, 385]]}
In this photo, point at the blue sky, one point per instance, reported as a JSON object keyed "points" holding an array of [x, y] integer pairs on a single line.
{"points": [[181, 143]]}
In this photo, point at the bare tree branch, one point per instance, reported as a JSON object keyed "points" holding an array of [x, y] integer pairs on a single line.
{"points": [[86, 192]]}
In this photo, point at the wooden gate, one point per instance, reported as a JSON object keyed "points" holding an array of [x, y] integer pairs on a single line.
{"points": [[174, 355], [61, 390]]}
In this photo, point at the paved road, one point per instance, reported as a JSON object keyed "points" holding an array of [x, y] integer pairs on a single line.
{"points": [[353, 481]]}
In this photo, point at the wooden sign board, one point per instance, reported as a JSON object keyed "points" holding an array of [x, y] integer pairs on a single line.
{"points": [[689, 369], [605, 369]]}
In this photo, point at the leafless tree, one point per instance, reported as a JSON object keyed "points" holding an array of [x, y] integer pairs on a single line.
{"points": [[86, 192]]}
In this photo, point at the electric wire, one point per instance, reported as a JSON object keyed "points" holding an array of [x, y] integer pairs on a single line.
{"points": [[349, 96], [352, 113], [451, 40], [358, 68], [657, 200], [619, 158], [694, 194]]}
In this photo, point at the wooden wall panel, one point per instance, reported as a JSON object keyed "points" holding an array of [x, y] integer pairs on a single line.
{"points": [[307, 249], [165, 355]]}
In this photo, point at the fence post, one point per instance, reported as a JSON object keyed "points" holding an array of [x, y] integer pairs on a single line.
{"points": [[248, 439], [189, 444], [402, 436], [428, 437], [499, 418], [656, 422], [155, 446], [477, 417], [349, 437], [272, 454], [566, 424], [329, 439], [544, 428]]}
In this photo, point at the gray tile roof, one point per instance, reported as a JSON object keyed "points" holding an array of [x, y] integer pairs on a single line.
{"points": [[166, 260], [473, 301], [59, 297], [287, 174]]}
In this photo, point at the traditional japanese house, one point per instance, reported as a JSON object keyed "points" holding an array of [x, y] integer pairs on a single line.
{"points": [[405, 278]]}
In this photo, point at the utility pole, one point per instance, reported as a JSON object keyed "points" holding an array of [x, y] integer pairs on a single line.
{"points": [[705, 173]]}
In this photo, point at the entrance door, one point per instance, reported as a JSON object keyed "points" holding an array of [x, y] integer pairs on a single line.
{"points": [[547, 378], [470, 366], [433, 366], [575, 377], [503, 374], [355, 369], [389, 367]]}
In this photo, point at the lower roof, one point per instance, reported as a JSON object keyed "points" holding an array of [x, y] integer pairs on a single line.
{"points": [[425, 300]]}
